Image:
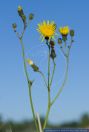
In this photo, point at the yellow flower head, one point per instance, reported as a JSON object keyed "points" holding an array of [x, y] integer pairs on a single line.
{"points": [[30, 62], [47, 29], [64, 30]]}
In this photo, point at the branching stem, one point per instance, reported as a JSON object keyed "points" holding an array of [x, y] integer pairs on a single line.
{"points": [[64, 82]]}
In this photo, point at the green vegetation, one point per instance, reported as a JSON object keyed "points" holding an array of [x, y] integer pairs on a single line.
{"points": [[28, 126]]}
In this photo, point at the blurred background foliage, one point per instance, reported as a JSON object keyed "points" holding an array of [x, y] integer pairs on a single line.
{"points": [[28, 126]]}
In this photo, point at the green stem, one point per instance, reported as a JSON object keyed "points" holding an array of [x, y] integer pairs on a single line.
{"points": [[64, 82], [70, 46], [65, 44], [43, 78], [49, 70], [63, 51], [54, 66], [29, 85], [49, 98], [48, 110]]}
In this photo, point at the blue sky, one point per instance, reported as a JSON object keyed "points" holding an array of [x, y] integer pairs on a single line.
{"points": [[14, 100]]}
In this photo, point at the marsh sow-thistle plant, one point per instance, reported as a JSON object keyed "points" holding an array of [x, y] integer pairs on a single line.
{"points": [[49, 32]]}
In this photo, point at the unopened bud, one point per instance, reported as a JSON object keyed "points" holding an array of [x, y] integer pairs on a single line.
{"points": [[59, 41], [34, 67], [21, 14], [53, 54], [14, 26], [20, 11], [64, 37], [31, 16], [52, 43], [19, 8], [72, 33]]}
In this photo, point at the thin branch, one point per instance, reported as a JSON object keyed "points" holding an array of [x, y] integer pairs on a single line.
{"points": [[63, 84], [43, 78], [63, 51], [54, 66]]}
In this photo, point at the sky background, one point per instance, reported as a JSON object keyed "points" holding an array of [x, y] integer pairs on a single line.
{"points": [[14, 99]]}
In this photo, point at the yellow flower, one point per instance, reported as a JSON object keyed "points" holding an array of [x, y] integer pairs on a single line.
{"points": [[47, 29], [64, 30], [30, 62]]}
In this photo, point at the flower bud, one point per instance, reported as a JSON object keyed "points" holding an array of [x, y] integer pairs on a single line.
{"points": [[21, 14], [20, 11], [64, 37], [14, 26], [52, 44], [31, 16], [53, 54], [34, 67], [59, 41], [72, 33], [19, 8]]}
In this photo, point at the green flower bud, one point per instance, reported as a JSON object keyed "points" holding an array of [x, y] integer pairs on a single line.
{"points": [[21, 14], [35, 68], [59, 41], [72, 33], [19, 8], [53, 54], [64, 37], [20, 11], [14, 26], [31, 16]]}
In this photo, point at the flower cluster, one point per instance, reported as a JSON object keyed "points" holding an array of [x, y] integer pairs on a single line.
{"points": [[47, 30], [23, 18]]}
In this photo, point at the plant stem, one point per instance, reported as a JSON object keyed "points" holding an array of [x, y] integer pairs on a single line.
{"points": [[49, 70], [49, 98], [43, 78], [39, 123], [48, 110], [54, 66], [29, 84], [64, 82], [46, 119]]}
